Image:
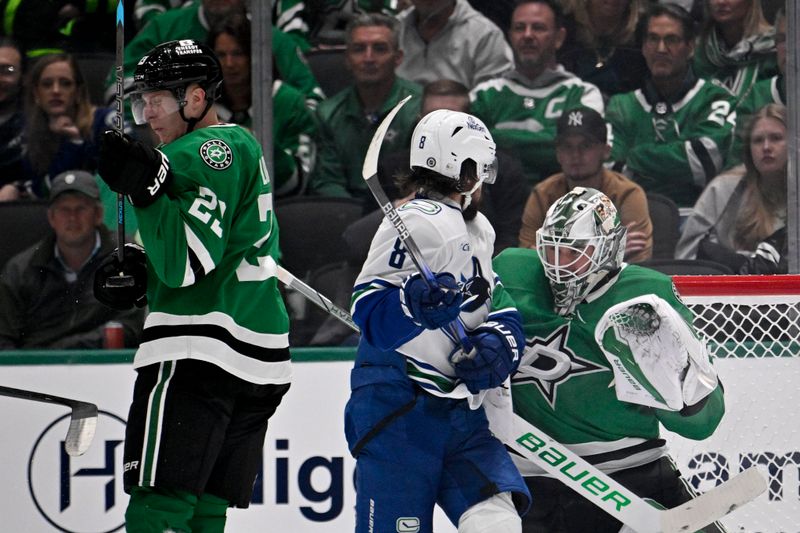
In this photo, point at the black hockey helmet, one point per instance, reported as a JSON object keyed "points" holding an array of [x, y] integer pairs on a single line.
{"points": [[176, 64]]}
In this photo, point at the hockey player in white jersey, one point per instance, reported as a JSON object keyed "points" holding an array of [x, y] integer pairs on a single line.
{"points": [[414, 421]]}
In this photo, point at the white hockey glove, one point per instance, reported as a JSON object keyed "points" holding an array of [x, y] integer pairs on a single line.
{"points": [[657, 358]]}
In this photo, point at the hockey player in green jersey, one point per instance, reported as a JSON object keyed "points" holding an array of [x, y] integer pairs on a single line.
{"points": [[610, 353], [214, 361], [671, 136]]}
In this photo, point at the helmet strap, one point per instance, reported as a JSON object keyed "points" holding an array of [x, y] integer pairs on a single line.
{"points": [[192, 122], [180, 94]]}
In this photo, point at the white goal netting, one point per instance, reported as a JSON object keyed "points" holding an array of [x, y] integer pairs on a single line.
{"points": [[752, 326]]}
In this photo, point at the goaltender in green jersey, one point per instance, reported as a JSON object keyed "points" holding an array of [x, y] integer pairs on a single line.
{"points": [[610, 353]]}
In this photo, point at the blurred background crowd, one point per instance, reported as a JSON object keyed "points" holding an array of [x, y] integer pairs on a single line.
{"points": [[676, 110]]}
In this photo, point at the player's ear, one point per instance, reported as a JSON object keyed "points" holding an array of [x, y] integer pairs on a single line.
{"points": [[195, 97]]}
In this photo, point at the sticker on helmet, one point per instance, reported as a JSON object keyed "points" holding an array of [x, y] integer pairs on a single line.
{"points": [[216, 154]]}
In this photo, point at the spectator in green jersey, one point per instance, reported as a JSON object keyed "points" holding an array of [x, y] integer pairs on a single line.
{"points": [[736, 46], [671, 136], [194, 22], [521, 107], [763, 92], [348, 120], [293, 125]]}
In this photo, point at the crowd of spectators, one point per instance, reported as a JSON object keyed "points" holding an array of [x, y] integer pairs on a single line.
{"points": [[682, 99]]}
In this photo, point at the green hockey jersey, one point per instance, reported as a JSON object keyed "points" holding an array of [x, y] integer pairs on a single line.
{"points": [[673, 148], [211, 243], [521, 114], [568, 391]]}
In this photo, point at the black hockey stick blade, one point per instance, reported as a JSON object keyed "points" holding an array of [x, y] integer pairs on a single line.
{"points": [[82, 423]]}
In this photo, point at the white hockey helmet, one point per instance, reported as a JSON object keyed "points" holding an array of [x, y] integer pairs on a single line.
{"points": [[443, 140], [581, 240]]}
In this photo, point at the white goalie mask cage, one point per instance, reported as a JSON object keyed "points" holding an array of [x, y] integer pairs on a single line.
{"points": [[444, 139], [580, 241]]}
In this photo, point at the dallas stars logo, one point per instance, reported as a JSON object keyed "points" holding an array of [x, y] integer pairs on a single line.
{"points": [[216, 154], [547, 363]]}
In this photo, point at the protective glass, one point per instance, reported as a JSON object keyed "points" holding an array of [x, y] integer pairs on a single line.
{"points": [[154, 105]]}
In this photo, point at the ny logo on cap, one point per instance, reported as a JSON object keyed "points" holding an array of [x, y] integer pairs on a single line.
{"points": [[575, 119]]}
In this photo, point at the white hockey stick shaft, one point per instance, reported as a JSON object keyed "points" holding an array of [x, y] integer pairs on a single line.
{"points": [[370, 174], [615, 499], [314, 296], [82, 423]]}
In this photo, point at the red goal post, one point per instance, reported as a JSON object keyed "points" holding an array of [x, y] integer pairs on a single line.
{"points": [[752, 327]]}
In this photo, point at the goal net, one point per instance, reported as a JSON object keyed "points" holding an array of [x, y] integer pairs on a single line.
{"points": [[752, 326]]}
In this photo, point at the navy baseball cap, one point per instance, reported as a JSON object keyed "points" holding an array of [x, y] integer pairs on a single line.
{"points": [[582, 121]]}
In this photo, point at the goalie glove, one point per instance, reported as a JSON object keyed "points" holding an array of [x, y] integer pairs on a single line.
{"points": [[656, 357], [495, 355], [132, 168]]}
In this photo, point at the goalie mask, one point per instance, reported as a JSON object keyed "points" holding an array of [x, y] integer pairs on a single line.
{"points": [[444, 140], [173, 66], [580, 241]]}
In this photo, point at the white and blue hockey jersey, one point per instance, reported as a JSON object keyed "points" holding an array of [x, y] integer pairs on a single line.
{"points": [[447, 244]]}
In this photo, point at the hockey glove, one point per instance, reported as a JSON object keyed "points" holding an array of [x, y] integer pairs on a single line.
{"points": [[131, 167], [133, 267], [494, 358], [431, 307]]}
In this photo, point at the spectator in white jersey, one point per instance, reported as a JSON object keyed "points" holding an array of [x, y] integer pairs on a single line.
{"points": [[449, 39], [521, 106], [671, 136]]}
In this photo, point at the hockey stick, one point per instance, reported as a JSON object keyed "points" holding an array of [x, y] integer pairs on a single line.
{"points": [[615, 499], [370, 174], [314, 296], [121, 279], [82, 423]]}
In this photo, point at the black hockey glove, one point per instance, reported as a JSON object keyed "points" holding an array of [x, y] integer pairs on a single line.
{"points": [[131, 167], [109, 292], [770, 256]]}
